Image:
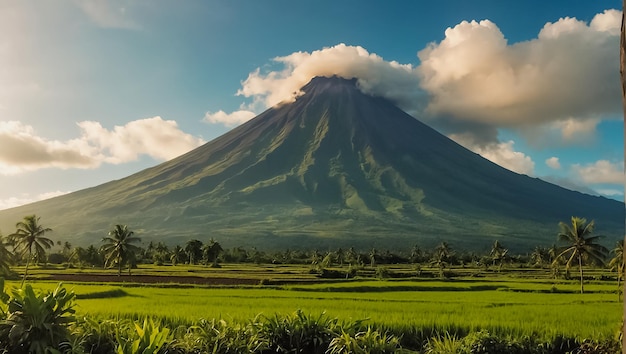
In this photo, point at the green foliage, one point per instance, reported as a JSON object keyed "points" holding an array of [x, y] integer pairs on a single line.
{"points": [[219, 336], [148, 338], [581, 247], [365, 342], [30, 241], [382, 272], [95, 336], [299, 333], [119, 249], [446, 344], [37, 323]]}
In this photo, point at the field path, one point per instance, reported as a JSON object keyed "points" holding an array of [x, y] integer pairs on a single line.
{"points": [[150, 279]]}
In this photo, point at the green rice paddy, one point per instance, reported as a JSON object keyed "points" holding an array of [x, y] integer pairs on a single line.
{"points": [[505, 305]]}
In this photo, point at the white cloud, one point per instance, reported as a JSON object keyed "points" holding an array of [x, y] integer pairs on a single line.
{"points": [[376, 76], [602, 171], [27, 198], [21, 149], [229, 120], [553, 163], [569, 70], [155, 137], [501, 153], [611, 192], [573, 130]]}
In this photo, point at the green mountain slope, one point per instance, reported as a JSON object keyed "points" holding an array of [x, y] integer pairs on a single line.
{"points": [[334, 168]]}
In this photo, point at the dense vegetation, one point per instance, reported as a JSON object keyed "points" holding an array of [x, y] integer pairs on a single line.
{"points": [[437, 300]]}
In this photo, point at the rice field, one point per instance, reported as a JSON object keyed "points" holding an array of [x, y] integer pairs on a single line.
{"points": [[507, 306]]}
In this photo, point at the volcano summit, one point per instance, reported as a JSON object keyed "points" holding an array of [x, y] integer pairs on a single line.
{"points": [[335, 168]]}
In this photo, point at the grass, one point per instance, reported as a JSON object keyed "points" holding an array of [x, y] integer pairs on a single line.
{"points": [[504, 305]]}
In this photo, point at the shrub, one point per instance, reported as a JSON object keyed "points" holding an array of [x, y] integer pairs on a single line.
{"points": [[367, 342], [148, 338], [94, 336], [219, 336], [447, 344], [483, 342], [299, 333], [36, 323]]}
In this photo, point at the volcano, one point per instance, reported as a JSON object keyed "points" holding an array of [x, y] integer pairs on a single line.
{"points": [[334, 168]]}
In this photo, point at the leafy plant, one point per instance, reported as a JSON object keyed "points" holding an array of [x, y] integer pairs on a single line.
{"points": [[96, 337], [219, 336], [148, 338], [483, 342], [446, 344], [367, 342], [299, 333], [37, 323]]}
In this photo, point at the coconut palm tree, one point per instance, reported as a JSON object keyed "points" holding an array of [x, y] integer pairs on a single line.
{"points": [[177, 254], [193, 248], [617, 264], [119, 248], [581, 247], [29, 239], [441, 257], [5, 257], [211, 252], [538, 256], [498, 254]]}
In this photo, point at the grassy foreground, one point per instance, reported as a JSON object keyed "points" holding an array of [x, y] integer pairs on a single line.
{"points": [[513, 311], [503, 305]]}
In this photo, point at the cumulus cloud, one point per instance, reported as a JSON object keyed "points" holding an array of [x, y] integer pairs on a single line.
{"points": [[27, 198], [21, 149], [553, 163], [155, 137], [602, 171], [501, 153], [573, 130], [376, 76], [229, 120], [567, 71]]}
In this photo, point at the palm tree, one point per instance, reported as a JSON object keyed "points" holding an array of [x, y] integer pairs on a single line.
{"points": [[29, 235], [193, 248], [498, 254], [617, 264], [441, 257], [538, 257], [581, 245], [373, 255], [211, 252], [119, 248], [5, 258], [176, 255]]}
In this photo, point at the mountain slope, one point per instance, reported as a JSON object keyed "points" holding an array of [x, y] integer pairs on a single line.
{"points": [[335, 167]]}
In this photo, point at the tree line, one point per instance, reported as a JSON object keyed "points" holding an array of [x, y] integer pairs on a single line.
{"points": [[119, 249]]}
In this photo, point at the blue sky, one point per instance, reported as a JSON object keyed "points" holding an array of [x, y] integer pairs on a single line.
{"points": [[96, 90]]}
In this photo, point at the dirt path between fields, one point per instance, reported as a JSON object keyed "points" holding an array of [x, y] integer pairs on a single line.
{"points": [[150, 279]]}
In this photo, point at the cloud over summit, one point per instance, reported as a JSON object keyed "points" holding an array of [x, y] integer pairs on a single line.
{"points": [[473, 77]]}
